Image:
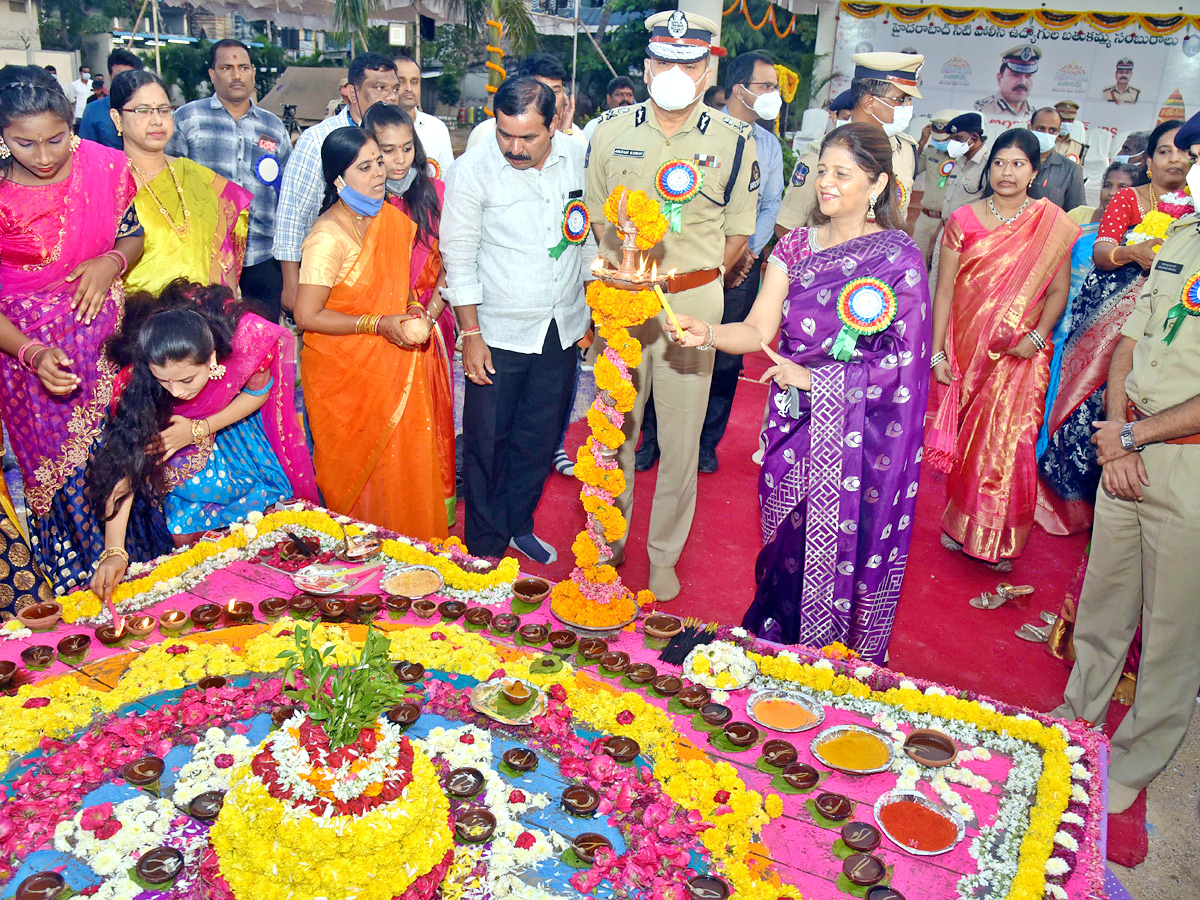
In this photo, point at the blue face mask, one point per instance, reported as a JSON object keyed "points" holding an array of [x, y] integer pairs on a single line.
{"points": [[359, 202], [941, 145]]}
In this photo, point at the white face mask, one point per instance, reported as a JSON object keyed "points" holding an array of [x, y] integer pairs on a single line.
{"points": [[672, 89], [901, 117], [955, 149], [1064, 129], [1121, 158], [1045, 141], [1193, 180], [765, 106], [85, 77]]}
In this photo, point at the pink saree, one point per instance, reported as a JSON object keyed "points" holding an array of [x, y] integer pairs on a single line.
{"points": [[985, 432]]}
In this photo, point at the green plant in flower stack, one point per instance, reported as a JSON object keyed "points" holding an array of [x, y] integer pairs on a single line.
{"points": [[342, 699]]}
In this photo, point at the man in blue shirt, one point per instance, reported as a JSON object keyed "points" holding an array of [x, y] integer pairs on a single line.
{"points": [[96, 124]]}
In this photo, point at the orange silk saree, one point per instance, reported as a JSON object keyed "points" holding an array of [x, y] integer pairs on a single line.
{"points": [[382, 417], [985, 432]]}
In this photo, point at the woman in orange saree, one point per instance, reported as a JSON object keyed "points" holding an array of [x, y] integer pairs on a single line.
{"points": [[1002, 286], [376, 389]]}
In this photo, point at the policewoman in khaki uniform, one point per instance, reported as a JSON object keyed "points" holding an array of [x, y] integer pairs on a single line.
{"points": [[628, 148], [884, 86], [937, 166], [1143, 560]]}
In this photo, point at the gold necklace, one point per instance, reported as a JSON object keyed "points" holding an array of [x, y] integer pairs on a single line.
{"points": [[180, 230], [1153, 198]]}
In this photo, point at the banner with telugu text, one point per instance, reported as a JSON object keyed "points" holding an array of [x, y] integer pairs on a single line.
{"points": [[964, 52]]}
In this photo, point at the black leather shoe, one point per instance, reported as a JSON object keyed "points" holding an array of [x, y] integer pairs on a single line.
{"points": [[708, 461], [647, 454]]}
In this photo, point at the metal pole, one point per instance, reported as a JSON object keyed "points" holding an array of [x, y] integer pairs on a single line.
{"points": [[575, 50], [157, 59]]}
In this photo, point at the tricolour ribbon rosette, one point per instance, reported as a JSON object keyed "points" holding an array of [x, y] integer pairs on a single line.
{"points": [[865, 306], [576, 225], [946, 169], [1188, 305], [677, 181]]}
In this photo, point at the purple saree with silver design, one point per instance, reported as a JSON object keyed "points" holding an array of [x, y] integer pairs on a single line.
{"points": [[839, 479]]}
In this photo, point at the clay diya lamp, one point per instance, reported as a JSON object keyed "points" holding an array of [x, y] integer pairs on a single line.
{"points": [[588, 844], [615, 662], [882, 892], [534, 634], [239, 612], [478, 618], [40, 616], [931, 748], [73, 649], [504, 623], [641, 674], [563, 642], [212, 682], [464, 783], [475, 826], [861, 837], [622, 749], [175, 620], [282, 714], [38, 657], [207, 806], [864, 869], [516, 692], [41, 886], [424, 608], [715, 714], [332, 609], [591, 650], [693, 696], [528, 594], [741, 734], [112, 635], [302, 606], [144, 773], [8, 671], [408, 672], [666, 685], [779, 754], [658, 630], [160, 867], [707, 887], [520, 759], [403, 715], [397, 607], [206, 614], [836, 808], [580, 801], [290, 551], [140, 626], [452, 610], [800, 776], [366, 607], [272, 608]]}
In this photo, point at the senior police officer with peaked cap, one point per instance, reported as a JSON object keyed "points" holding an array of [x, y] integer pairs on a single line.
{"points": [[629, 147], [1015, 82], [881, 94]]}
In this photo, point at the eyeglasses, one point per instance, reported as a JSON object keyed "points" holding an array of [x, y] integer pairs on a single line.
{"points": [[146, 111], [769, 85], [894, 102]]}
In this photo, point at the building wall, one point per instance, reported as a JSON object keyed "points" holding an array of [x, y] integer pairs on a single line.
{"points": [[19, 25]]}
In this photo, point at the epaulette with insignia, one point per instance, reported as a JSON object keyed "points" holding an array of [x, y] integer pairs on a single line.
{"points": [[904, 137], [640, 116], [613, 113], [736, 124], [702, 122]]}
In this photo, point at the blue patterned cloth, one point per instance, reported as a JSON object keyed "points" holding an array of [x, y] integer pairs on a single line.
{"points": [[242, 475]]}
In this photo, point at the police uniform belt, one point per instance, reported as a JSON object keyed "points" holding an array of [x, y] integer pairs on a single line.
{"points": [[687, 281], [1136, 414]]}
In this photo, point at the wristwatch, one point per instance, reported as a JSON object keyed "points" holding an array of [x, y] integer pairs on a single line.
{"points": [[1127, 442]]}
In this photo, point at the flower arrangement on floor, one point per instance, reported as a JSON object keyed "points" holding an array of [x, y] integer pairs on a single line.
{"points": [[594, 597]]}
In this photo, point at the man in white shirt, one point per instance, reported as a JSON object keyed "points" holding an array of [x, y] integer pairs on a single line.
{"points": [[550, 72], [434, 135], [619, 93], [81, 91], [520, 310]]}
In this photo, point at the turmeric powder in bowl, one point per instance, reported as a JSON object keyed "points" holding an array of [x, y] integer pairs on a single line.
{"points": [[852, 750]]}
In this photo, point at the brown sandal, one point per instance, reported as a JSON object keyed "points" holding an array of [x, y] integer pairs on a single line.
{"points": [[1004, 592]]}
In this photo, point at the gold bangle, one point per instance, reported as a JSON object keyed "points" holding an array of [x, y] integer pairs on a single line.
{"points": [[110, 553], [197, 436]]}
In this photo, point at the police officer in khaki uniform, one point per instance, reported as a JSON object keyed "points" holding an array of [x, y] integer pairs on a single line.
{"points": [[1015, 81], [1143, 562], [1068, 146], [628, 148], [881, 94], [1122, 92], [967, 151], [935, 166]]}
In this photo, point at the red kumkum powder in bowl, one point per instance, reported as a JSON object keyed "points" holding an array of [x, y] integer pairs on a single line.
{"points": [[917, 827]]}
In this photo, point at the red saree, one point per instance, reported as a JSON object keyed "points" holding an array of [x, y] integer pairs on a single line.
{"points": [[985, 432]]}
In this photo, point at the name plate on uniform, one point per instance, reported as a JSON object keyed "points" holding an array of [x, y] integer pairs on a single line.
{"points": [[632, 154], [1172, 268]]}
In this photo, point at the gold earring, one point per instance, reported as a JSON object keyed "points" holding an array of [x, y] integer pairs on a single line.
{"points": [[120, 131], [871, 207], [5, 153], [75, 139], [216, 371]]}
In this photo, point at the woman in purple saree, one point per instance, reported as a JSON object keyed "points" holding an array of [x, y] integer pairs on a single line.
{"points": [[67, 232], [838, 485]]}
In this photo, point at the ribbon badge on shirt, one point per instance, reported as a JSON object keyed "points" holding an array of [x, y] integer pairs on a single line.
{"points": [[946, 169], [677, 181], [269, 171], [865, 306], [575, 227], [432, 167], [1188, 305]]}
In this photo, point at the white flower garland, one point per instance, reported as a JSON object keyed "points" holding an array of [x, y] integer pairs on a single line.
{"points": [[201, 774]]}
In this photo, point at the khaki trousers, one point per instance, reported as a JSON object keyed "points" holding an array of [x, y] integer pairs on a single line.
{"points": [[1144, 562], [680, 378], [924, 232]]}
